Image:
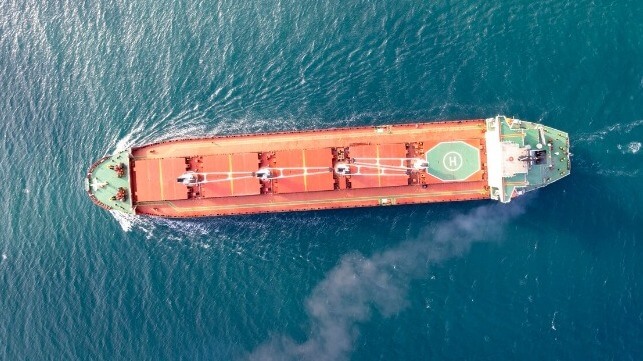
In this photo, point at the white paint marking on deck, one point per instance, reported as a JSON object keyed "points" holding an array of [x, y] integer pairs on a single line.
{"points": [[452, 161]]}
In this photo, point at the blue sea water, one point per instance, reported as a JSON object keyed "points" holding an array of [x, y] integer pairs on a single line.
{"points": [[553, 276]]}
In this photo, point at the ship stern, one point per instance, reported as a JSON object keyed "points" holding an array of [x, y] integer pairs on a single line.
{"points": [[524, 156]]}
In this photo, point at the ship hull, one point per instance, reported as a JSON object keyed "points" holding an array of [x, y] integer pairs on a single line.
{"points": [[310, 170]]}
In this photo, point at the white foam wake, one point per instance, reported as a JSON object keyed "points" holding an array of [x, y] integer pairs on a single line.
{"points": [[155, 129], [630, 148], [616, 129], [125, 220]]}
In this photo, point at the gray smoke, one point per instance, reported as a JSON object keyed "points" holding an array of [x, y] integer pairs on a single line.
{"points": [[347, 295]]}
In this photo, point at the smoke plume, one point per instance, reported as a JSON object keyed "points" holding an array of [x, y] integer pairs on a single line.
{"points": [[345, 298]]}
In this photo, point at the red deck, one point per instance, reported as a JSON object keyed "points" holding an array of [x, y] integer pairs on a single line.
{"points": [[162, 173], [317, 177], [302, 164], [372, 176]]}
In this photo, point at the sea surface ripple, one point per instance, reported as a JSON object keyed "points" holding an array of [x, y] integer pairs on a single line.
{"points": [[556, 276]]}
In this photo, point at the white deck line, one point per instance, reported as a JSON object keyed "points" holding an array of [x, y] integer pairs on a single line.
{"points": [[494, 159]]}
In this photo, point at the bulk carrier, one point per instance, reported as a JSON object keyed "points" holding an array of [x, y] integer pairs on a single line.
{"points": [[497, 158]]}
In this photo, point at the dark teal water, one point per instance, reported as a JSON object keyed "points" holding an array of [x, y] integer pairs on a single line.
{"points": [[555, 276]]}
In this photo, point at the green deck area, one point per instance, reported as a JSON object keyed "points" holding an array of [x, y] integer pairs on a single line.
{"points": [[453, 161], [555, 163], [104, 183]]}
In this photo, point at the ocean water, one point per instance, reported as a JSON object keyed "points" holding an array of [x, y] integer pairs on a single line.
{"points": [[553, 276]]}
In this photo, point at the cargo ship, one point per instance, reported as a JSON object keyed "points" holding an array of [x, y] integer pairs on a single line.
{"points": [[497, 158]]}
